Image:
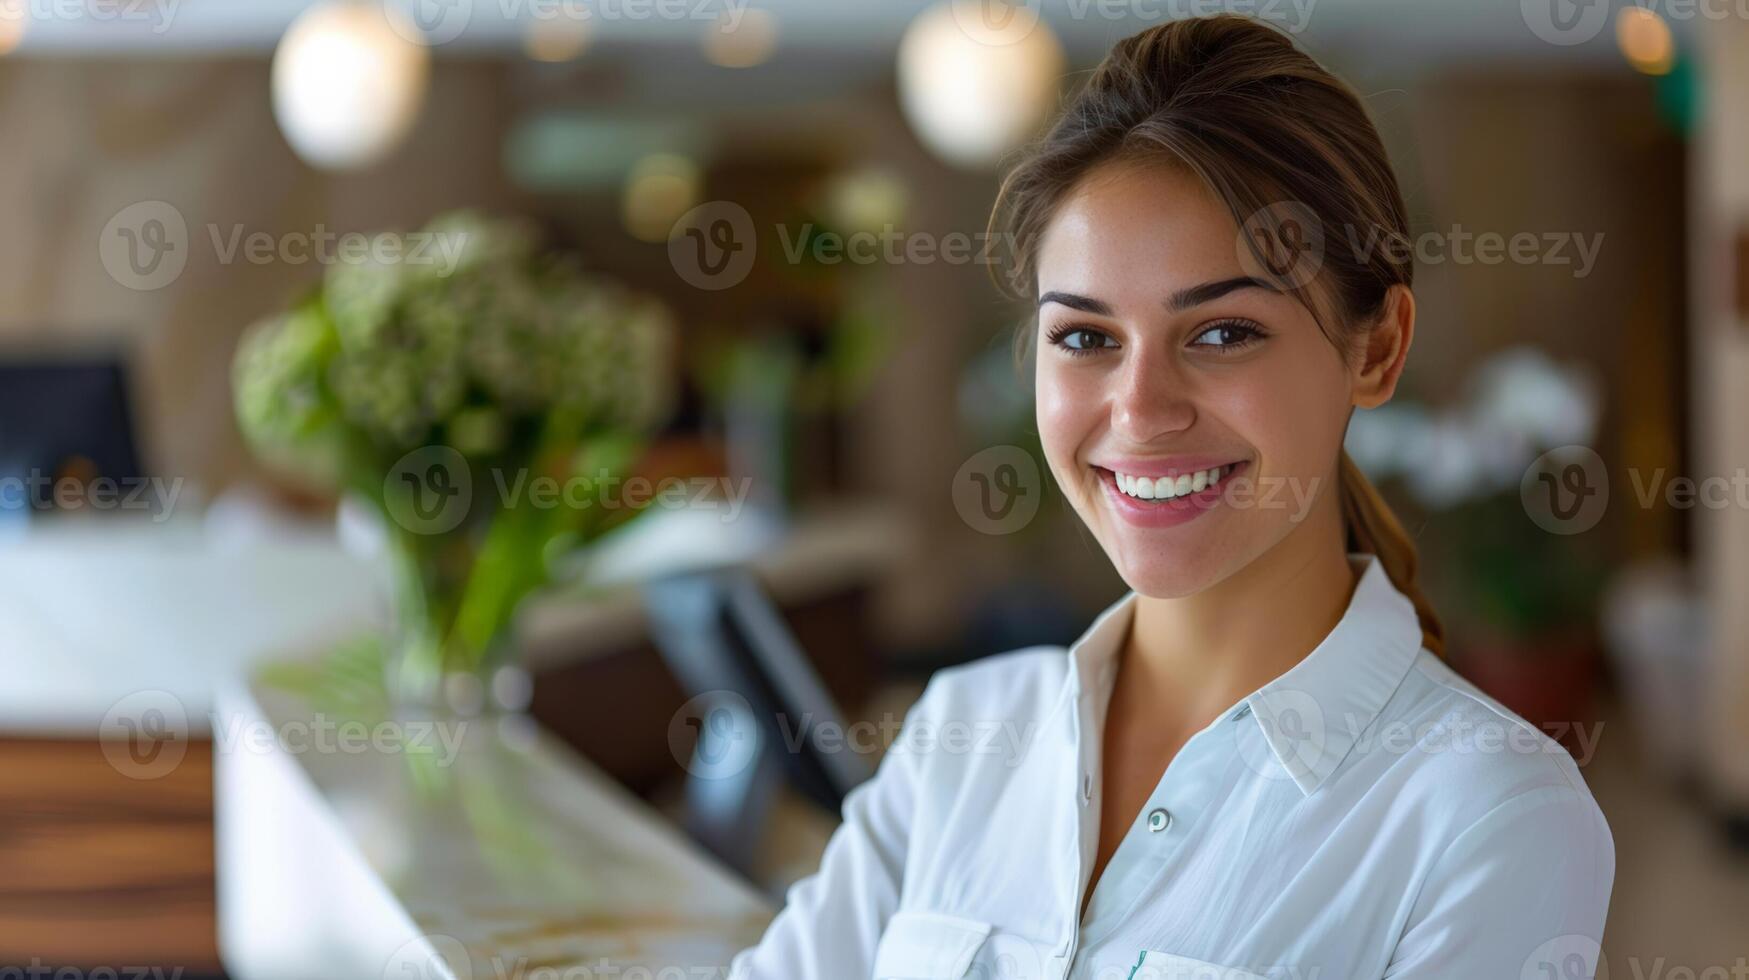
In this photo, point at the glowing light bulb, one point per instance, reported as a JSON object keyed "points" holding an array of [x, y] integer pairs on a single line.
{"points": [[975, 83], [348, 83], [743, 41], [660, 188], [555, 39], [1645, 40], [14, 21]]}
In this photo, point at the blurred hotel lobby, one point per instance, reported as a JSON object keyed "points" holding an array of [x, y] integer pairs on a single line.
{"points": [[700, 294]]}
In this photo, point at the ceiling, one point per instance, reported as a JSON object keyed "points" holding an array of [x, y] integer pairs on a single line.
{"points": [[1384, 32]]}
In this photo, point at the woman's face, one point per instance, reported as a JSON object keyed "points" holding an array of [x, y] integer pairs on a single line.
{"points": [[1162, 364]]}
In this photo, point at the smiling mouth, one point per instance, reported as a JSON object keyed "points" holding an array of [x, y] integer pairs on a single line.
{"points": [[1163, 490]]}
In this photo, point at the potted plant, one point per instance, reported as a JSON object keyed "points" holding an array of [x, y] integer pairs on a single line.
{"points": [[1530, 599], [1525, 596]]}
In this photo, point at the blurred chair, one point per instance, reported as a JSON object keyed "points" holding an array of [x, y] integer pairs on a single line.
{"points": [[759, 710]]}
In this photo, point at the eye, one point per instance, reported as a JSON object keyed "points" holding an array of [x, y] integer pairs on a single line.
{"points": [[1229, 335], [1080, 340]]}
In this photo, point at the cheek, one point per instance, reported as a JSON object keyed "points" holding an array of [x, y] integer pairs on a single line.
{"points": [[1067, 414], [1292, 410]]}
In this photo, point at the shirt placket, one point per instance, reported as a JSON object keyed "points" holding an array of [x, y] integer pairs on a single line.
{"points": [[1190, 787], [1085, 756]]}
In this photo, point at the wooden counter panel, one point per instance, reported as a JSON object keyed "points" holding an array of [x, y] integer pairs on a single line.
{"points": [[98, 869]]}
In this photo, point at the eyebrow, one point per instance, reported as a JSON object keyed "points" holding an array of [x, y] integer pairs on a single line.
{"points": [[1073, 301], [1211, 291], [1179, 301]]}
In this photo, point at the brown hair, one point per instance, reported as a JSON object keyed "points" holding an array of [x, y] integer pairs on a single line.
{"points": [[1276, 137]]}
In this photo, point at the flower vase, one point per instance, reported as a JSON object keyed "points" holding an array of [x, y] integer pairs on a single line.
{"points": [[450, 651]]}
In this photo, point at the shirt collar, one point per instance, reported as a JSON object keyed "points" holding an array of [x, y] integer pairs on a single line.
{"points": [[1312, 715]]}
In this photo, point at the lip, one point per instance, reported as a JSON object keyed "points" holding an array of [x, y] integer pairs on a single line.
{"points": [[1173, 466], [1164, 513]]}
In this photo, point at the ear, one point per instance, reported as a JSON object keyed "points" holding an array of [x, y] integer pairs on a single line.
{"points": [[1386, 350]]}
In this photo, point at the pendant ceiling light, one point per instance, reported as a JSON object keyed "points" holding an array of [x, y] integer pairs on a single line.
{"points": [[348, 80], [978, 77]]}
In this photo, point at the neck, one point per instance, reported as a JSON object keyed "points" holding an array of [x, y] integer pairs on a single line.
{"points": [[1197, 655]]}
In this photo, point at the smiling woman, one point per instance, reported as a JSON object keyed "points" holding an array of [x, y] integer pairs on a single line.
{"points": [[1212, 791]]}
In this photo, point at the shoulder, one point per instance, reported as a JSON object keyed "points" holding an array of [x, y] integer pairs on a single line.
{"points": [[1502, 744], [1025, 682], [1478, 765], [1511, 853]]}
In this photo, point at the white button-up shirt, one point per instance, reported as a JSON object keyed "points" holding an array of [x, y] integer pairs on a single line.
{"points": [[1367, 814]]}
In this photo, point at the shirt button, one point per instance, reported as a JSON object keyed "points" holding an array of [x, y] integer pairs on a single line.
{"points": [[1159, 819], [1086, 787]]}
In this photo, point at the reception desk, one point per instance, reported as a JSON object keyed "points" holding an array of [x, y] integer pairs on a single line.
{"points": [[99, 625]]}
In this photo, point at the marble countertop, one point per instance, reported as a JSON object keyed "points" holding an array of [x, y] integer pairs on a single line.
{"points": [[94, 612], [469, 849]]}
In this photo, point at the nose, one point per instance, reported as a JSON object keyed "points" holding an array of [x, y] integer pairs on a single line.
{"points": [[1152, 400]]}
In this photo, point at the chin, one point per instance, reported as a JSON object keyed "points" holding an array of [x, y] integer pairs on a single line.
{"points": [[1169, 570], [1164, 584]]}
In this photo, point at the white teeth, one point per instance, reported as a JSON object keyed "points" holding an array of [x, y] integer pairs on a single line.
{"points": [[1165, 487]]}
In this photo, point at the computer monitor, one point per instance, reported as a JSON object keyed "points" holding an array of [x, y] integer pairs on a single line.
{"points": [[62, 417]]}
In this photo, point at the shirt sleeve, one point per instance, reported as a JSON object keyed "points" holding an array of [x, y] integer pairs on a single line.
{"points": [[1522, 893], [832, 919]]}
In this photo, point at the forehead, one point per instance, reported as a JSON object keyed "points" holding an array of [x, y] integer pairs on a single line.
{"points": [[1133, 230]]}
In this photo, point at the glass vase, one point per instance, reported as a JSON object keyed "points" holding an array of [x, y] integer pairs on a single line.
{"points": [[450, 651]]}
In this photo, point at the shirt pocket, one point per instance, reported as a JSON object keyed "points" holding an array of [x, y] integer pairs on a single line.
{"points": [[928, 946], [1155, 965]]}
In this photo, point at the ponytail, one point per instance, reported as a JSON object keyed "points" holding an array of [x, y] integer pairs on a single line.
{"points": [[1374, 530]]}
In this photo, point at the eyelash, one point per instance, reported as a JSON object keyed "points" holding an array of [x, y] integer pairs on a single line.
{"points": [[1252, 334]]}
